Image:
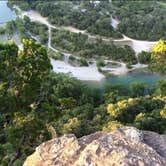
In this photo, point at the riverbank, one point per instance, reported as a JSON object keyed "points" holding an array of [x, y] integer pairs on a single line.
{"points": [[137, 45], [83, 73], [89, 73]]}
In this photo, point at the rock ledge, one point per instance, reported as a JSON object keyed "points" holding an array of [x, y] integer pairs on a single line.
{"points": [[123, 147]]}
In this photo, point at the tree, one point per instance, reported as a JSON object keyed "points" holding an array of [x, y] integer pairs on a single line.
{"points": [[10, 27], [154, 121], [2, 30], [138, 89], [125, 111], [112, 125], [8, 76], [34, 67], [144, 57], [158, 63], [161, 88], [100, 63], [22, 73], [71, 126]]}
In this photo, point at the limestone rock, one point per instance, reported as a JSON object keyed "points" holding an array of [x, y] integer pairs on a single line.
{"points": [[123, 147]]}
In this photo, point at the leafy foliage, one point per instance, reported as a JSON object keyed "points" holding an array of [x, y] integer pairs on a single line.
{"points": [[82, 46], [34, 101], [141, 19], [144, 57], [158, 62], [145, 113]]}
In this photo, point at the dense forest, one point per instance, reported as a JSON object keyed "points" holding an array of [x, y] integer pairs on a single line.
{"points": [[81, 45], [81, 15], [35, 102], [143, 20]]}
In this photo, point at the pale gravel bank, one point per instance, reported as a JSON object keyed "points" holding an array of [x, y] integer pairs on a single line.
{"points": [[83, 73]]}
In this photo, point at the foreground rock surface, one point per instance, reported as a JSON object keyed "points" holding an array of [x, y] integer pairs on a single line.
{"points": [[123, 147]]}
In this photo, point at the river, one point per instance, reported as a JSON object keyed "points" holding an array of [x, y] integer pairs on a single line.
{"points": [[126, 80], [6, 15]]}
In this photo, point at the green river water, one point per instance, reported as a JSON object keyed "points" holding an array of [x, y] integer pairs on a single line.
{"points": [[147, 78], [6, 14]]}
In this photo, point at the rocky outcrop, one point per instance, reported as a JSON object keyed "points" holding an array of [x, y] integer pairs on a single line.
{"points": [[123, 147]]}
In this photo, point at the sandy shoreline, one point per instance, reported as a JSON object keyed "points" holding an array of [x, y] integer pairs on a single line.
{"points": [[138, 45], [82, 73]]}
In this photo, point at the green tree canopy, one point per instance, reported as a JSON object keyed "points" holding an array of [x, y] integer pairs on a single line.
{"points": [[158, 63]]}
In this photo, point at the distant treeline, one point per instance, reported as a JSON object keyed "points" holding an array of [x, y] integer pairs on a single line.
{"points": [[143, 20]]}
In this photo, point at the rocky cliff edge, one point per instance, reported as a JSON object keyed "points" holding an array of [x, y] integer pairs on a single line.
{"points": [[124, 147]]}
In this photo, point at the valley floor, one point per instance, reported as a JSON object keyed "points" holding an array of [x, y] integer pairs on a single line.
{"points": [[91, 72]]}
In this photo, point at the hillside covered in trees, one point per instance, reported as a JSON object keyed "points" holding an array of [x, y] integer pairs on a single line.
{"points": [[144, 20], [34, 102]]}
